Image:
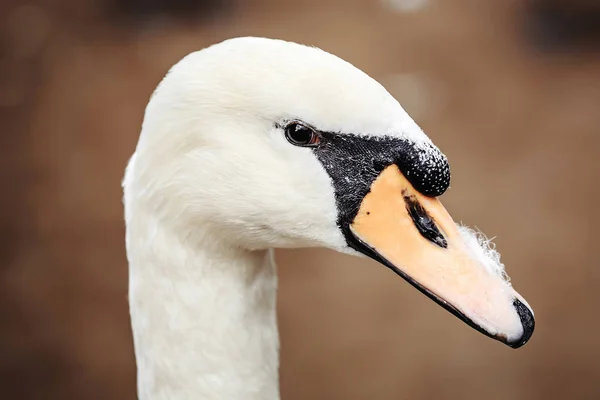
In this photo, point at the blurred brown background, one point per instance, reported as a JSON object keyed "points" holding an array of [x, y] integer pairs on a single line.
{"points": [[509, 90]]}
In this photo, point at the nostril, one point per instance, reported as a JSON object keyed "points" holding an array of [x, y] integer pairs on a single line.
{"points": [[527, 320], [423, 222]]}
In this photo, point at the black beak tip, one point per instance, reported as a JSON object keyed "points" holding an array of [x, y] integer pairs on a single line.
{"points": [[527, 321]]}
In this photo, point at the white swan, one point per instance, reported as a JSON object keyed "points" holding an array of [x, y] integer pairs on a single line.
{"points": [[254, 144]]}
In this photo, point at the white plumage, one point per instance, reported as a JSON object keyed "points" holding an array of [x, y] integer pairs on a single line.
{"points": [[213, 186]]}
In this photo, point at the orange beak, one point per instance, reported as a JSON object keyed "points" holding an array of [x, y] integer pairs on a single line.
{"points": [[415, 236]]}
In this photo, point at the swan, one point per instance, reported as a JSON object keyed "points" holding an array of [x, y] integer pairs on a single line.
{"points": [[253, 144]]}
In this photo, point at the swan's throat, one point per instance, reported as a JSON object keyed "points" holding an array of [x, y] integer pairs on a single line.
{"points": [[203, 318]]}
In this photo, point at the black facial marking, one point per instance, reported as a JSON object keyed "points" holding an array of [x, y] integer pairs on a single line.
{"points": [[423, 221], [354, 162]]}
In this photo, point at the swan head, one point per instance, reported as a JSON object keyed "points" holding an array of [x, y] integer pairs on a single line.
{"points": [[265, 143]]}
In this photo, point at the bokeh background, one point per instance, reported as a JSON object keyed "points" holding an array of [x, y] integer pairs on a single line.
{"points": [[508, 89]]}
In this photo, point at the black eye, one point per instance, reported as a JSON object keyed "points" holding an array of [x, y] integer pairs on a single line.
{"points": [[301, 135]]}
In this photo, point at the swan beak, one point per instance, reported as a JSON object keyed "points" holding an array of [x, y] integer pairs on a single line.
{"points": [[415, 236]]}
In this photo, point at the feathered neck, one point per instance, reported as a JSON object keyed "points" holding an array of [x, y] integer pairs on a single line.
{"points": [[203, 316]]}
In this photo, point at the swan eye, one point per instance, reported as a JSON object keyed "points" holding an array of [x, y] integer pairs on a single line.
{"points": [[301, 135]]}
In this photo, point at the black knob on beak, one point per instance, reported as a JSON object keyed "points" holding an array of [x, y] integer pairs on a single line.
{"points": [[426, 168]]}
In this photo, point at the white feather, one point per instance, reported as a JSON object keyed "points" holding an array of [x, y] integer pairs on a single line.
{"points": [[212, 186]]}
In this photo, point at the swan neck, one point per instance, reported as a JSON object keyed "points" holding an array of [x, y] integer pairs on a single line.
{"points": [[203, 318]]}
